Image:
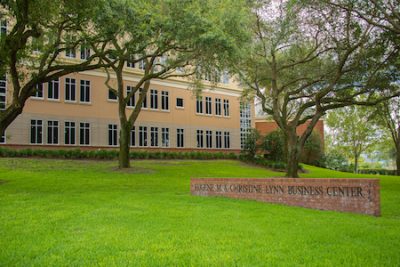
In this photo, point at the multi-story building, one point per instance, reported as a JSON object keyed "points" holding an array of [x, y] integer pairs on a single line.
{"points": [[78, 111]]}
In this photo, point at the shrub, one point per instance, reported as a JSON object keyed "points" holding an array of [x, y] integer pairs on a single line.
{"points": [[251, 144], [274, 146]]}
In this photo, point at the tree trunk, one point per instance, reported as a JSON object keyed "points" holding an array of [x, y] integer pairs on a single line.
{"points": [[355, 163], [398, 160], [293, 154], [124, 142]]}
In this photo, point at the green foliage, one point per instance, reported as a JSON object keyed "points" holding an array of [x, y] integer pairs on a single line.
{"points": [[313, 150], [113, 154], [274, 146], [336, 161], [251, 144]]}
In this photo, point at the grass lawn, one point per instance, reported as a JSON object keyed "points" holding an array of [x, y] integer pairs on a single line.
{"points": [[86, 213]]}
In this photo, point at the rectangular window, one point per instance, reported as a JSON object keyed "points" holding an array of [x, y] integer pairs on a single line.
{"points": [[142, 136], [165, 137], [112, 95], [53, 89], [164, 100], [85, 91], [38, 91], [218, 107], [226, 107], [180, 138], [70, 89], [209, 139], [132, 100], [70, 49], [208, 105], [3, 27], [112, 134], [85, 52], [225, 77], [179, 102], [218, 139], [3, 92], [69, 133], [36, 132], [3, 138], [130, 64], [154, 136], [52, 132], [84, 133], [200, 143], [153, 99], [144, 104], [199, 105], [227, 140], [142, 64], [133, 136]]}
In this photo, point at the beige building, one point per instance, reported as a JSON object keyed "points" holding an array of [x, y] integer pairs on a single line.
{"points": [[78, 111]]}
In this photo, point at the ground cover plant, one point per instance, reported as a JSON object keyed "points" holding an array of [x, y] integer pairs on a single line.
{"points": [[86, 212]]}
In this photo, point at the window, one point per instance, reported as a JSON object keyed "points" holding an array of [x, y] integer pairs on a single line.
{"points": [[85, 52], [36, 131], [3, 27], [144, 104], [69, 133], [38, 91], [154, 136], [132, 100], [52, 132], [179, 102], [225, 77], [112, 95], [70, 50], [227, 140], [179, 137], [165, 137], [133, 136], [112, 134], [130, 64], [208, 105], [209, 139], [245, 122], [218, 107], [53, 89], [142, 64], [85, 91], [164, 100], [3, 138], [3, 92], [70, 89], [200, 138], [142, 136], [226, 107], [199, 105], [153, 99], [218, 139], [84, 133]]}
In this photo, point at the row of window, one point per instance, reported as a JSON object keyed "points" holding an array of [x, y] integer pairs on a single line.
{"points": [[206, 108], [53, 90], [209, 139], [154, 98], [147, 136], [3, 92], [70, 132]]}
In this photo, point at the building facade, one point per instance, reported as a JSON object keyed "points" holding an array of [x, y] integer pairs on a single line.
{"points": [[78, 111]]}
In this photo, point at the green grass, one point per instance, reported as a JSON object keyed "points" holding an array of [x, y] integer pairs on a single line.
{"points": [[87, 213]]}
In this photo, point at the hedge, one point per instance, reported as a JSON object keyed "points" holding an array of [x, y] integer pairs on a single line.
{"points": [[112, 154]]}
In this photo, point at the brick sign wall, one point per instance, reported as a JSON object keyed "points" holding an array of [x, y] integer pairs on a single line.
{"points": [[349, 195]]}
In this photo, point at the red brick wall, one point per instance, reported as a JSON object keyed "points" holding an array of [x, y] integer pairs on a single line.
{"points": [[349, 195], [266, 127]]}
